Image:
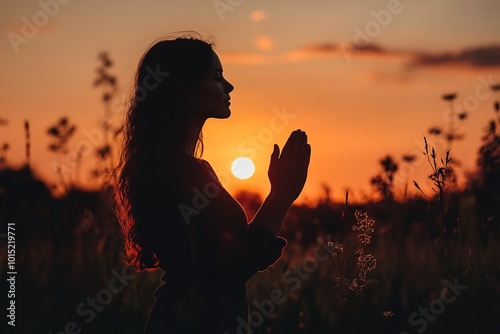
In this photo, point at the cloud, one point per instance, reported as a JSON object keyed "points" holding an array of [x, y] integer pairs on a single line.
{"points": [[313, 51], [345, 51], [332, 49], [324, 47], [476, 57], [472, 57]]}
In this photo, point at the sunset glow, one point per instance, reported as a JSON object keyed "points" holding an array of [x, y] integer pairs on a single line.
{"points": [[363, 80]]}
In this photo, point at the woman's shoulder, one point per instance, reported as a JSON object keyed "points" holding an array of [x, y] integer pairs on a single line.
{"points": [[185, 169]]}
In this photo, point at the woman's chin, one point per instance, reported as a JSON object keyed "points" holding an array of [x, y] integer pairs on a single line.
{"points": [[224, 115]]}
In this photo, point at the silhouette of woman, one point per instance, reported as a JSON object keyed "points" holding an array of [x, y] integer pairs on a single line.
{"points": [[174, 212]]}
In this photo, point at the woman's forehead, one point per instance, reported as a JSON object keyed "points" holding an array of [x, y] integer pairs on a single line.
{"points": [[216, 64]]}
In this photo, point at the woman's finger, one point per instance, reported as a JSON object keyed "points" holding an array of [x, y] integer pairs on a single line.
{"points": [[296, 144], [307, 157], [274, 156], [290, 146], [301, 149]]}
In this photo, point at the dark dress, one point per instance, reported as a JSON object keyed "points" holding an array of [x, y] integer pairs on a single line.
{"points": [[207, 250]]}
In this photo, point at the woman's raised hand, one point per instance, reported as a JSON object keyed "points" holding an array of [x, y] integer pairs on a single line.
{"points": [[288, 171]]}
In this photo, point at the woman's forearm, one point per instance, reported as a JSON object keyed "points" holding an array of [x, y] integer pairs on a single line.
{"points": [[272, 213]]}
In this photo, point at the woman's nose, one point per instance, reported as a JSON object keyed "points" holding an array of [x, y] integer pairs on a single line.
{"points": [[229, 87]]}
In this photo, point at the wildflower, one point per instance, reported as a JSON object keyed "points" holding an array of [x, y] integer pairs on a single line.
{"points": [[103, 152], [435, 131], [388, 314], [449, 97], [105, 59], [337, 248], [364, 224], [409, 158], [365, 263], [354, 285]]}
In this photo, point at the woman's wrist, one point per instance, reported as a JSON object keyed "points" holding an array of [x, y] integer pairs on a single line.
{"points": [[279, 201], [272, 213]]}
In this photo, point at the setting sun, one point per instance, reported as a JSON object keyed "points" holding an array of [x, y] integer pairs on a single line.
{"points": [[242, 168]]}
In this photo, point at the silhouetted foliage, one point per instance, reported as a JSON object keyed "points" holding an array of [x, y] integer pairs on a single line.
{"points": [[108, 83], [3, 154], [488, 193], [62, 132], [4, 148], [384, 182]]}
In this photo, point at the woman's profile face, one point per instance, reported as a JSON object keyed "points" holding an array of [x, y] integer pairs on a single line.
{"points": [[212, 100]]}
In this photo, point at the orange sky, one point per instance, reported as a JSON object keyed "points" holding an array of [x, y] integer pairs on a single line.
{"points": [[282, 57]]}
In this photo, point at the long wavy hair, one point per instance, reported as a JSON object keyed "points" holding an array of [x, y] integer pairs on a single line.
{"points": [[156, 123]]}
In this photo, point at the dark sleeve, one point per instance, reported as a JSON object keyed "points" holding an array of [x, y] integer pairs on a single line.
{"points": [[237, 255], [264, 245], [234, 249]]}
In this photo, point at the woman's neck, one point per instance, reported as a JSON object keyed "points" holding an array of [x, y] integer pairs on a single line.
{"points": [[192, 136]]}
